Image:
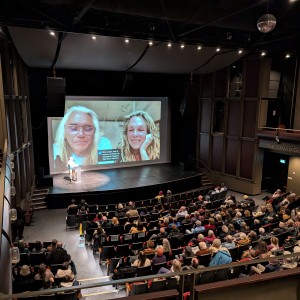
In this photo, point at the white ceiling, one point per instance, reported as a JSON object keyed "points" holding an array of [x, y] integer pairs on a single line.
{"points": [[79, 51]]}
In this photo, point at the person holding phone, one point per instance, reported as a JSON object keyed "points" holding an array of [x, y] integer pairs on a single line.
{"points": [[140, 139], [78, 136]]}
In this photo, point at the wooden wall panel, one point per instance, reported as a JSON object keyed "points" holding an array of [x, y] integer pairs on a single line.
{"points": [[247, 159], [204, 149], [221, 83], [252, 73], [231, 156], [205, 120], [249, 120], [234, 118], [217, 152], [207, 85]]}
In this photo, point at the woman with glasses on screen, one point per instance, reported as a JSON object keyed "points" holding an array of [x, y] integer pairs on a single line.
{"points": [[78, 136], [140, 139]]}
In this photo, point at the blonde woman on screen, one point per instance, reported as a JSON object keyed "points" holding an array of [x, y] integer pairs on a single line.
{"points": [[78, 136], [140, 139]]}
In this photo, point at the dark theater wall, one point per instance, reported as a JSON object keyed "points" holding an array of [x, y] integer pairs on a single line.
{"points": [[229, 105], [98, 83]]}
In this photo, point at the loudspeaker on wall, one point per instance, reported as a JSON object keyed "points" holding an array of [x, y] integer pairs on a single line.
{"points": [[55, 96]]}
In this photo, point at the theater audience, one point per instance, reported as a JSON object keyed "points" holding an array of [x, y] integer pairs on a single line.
{"points": [[65, 271], [197, 228], [229, 242], [45, 274], [72, 208], [220, 255], [142, 260], [52, 245], [39, 247], [227, 228], [210, 237], [182, 212], [150, 247], [58, 255], [203, 249], [139, 228], [159, 257]]}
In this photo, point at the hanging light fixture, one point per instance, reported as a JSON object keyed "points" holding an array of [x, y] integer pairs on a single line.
{"points": [[266, 22]]}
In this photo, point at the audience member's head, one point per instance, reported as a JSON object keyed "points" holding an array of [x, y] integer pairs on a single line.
{"points": [[202, 246]]}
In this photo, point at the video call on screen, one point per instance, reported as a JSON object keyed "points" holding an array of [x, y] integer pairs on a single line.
{"points": [[109, 132]]}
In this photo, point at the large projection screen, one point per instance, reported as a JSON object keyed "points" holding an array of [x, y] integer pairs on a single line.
{"points": [[109, 132]]}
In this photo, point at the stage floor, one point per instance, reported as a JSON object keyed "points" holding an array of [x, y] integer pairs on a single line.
{"points": [[120, 179]]}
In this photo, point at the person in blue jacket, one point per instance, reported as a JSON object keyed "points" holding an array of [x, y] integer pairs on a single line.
{"points": [[221, 255]]}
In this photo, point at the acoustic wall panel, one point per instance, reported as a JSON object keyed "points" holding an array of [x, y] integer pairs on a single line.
{"points": [[217, 152], [234, 118], [205, 119], [249, 120], [231, 156], [221, 83], [247, 159], [207, 85], [204, 149], [252, 72]]}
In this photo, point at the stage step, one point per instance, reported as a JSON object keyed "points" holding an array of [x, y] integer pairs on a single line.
{"points": [[38, 199], [205, 181]]}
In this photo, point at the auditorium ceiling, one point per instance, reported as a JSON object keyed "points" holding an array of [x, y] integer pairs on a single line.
{"points": [[185, 34]]}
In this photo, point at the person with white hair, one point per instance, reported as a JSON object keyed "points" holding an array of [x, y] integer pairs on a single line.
{"points": [[203, 249], [79, 136], [182, 212], [229, 242], [221, 255], [197, 228]]}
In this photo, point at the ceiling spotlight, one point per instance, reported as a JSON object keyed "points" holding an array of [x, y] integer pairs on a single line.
{"points": [[292, 1], [93, 37], [169, 45], [182, 46], [234, 67], [240, 51], [199, 47], [52, 33], [263, 53], [287, 55], [218, 49], [150, 43], [127, 41], [266, 23]]}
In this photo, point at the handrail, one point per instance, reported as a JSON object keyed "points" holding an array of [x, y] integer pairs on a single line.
{"points": [[278, 128], [143, 278], [2, 186], [206, 167]]}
